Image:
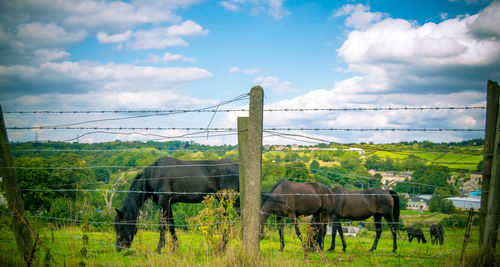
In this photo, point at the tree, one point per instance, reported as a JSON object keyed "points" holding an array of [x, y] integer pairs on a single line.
{"points": [[439, 203], [314, 166], [298, 171]]}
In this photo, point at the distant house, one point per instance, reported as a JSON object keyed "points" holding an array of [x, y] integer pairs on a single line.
{"points": [[476, 177], [418, 203], [279, 148], [465, 203], [393, 177], [295, 147]]}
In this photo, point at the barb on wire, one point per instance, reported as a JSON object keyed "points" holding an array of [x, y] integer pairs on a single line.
{"points": [[238, 98], [242, 110]]}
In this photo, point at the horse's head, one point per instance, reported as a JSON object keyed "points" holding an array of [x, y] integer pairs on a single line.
{"points": [[125, 231]]}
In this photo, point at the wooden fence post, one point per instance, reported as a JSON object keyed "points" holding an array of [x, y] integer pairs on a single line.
{"points": [[490, 233], [493, 94], [466, 238], [13, 195], [250, 201], [243, 159]]}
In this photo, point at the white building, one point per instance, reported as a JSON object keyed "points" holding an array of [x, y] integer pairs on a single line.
{"points": [[465, 203]]}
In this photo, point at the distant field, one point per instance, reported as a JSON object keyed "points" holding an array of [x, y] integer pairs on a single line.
{"points": [[451, 160]]}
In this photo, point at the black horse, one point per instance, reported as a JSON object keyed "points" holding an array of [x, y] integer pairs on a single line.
{"points": [[437, 233], [168, 181], [288, 199], [361, 205], [414, 232]]}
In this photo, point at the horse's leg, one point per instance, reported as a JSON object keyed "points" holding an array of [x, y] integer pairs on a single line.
{"points": [[293, 219], [341, 234], [334, 233], [394, 228], [280, 231], [163, 228], [171, 225], [263, 218], [378, 228]]}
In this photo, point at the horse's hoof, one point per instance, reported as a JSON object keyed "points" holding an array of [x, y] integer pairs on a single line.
{"points": [[343, 249], [371, 250], [281, 250], [394, 251], [329, 250]]}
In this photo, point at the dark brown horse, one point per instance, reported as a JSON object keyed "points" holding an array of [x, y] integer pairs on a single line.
{"points": [[288, 199], [361, 205], [169, 181], [437, 234]]}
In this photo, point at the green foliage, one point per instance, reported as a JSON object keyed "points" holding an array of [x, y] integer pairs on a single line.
{"points": [[439, 203], [459, 220], [215, 219], [298, 171], [314, 166], [61, 208]]}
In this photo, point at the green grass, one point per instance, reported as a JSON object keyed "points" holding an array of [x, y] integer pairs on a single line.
{"points": [[193, 251]]}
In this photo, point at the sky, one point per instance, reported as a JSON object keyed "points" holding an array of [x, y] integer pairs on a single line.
{"points": [[136, 55]]}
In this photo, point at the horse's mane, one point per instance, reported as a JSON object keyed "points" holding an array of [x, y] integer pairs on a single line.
{"points": [[267, 196]]}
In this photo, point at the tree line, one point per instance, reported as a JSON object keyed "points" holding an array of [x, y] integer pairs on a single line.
{"points": [[55, 179]]}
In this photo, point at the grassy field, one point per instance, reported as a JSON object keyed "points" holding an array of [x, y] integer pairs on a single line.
{"points": [[453, 161], [66, 248]]}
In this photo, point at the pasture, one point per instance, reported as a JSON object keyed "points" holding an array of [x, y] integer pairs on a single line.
{"points": [[67, 246]]}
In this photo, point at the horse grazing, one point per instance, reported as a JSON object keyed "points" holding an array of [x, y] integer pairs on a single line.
{"points": [[437, 233], [361, 205], [289, 199], [168, 181], [415, 233]]}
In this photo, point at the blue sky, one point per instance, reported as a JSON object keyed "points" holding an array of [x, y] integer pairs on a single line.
{"points": [[172, 54]]}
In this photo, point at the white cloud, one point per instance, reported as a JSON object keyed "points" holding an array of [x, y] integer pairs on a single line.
{"points": [[110, 16], [229, 5], [359, 16], [273, 8], [86, 76], [46, 55], [405, 55], [103, 37], [487, 23], [274, 84], [46, 35], [169, 57], [160, 38], [237, 70]]}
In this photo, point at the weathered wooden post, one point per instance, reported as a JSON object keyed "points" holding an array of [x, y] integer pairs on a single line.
{"points": [[243, 159], [490, 233], [13, 195], [493, 94], [250, 183], [466, 238]]}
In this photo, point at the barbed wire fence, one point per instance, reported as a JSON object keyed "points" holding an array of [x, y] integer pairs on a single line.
{"points": [[301, 134]]}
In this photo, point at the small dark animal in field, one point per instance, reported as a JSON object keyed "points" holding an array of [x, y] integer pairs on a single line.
{"points": [[361, 205], [415, 233], [288, 199], [437, 233], [169, 181]]}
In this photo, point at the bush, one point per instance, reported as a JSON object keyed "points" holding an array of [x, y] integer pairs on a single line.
{"points": [[459, 220], [61, 210]]}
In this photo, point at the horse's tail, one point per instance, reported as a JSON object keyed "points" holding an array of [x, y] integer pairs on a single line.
{"points": [[395, 209]]}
